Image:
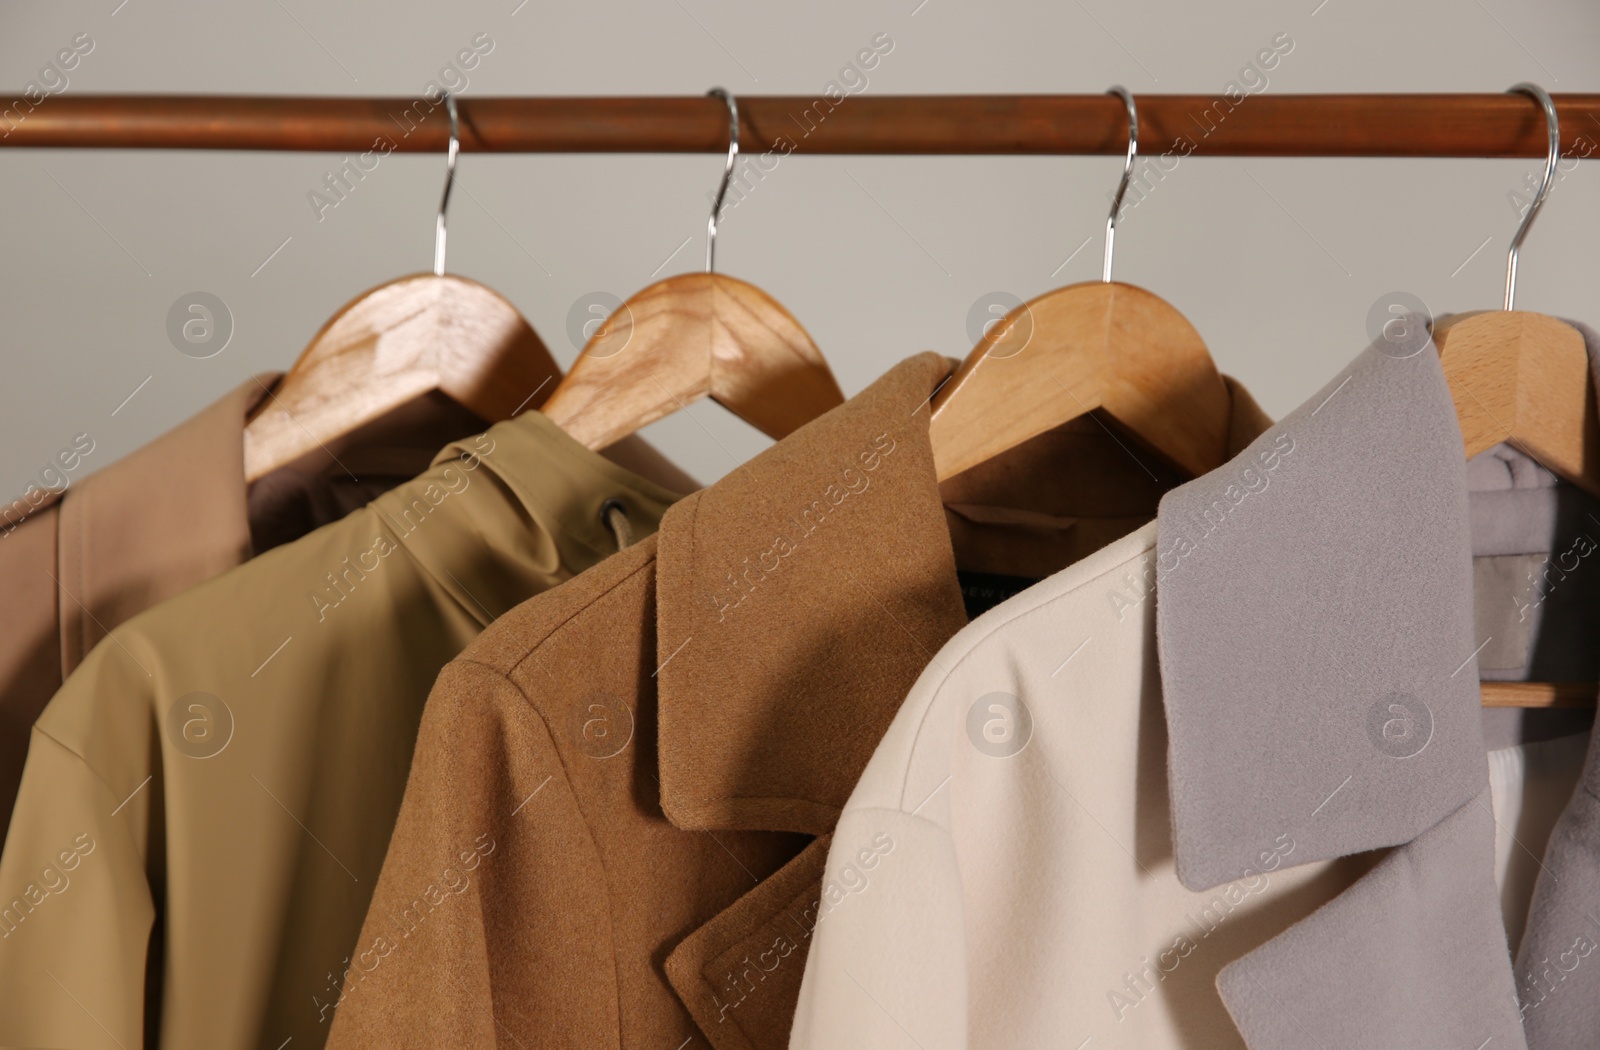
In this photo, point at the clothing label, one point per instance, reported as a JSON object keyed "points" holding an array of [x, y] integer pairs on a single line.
{"points": [[982, 591]]}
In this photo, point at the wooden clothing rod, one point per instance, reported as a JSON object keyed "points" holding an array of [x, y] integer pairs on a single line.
{"points": [[1264, 125]]}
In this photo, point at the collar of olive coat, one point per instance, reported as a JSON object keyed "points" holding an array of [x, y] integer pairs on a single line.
{"points": [[86, 549]]}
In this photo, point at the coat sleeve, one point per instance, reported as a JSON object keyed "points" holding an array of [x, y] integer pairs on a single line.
{"points": [[75, 908], [887, 966], [490, 924]]}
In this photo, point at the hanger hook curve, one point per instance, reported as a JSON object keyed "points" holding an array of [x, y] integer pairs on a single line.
{"points": [[449, 180], [1553, 152], [727, 174], [1127, 175]]}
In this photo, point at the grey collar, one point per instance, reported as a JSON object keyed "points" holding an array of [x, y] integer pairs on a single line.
{"points": [[1315, 632], [1315, 629]]}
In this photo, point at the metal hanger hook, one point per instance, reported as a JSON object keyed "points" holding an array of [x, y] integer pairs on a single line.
{"points": [[449, 180], [1127, 175], [727, 174], [1553, 125]]}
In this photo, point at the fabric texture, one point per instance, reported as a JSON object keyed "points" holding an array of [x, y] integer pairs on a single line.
{"points": [[207, 800], [1409, 944], [1349, 723], [1376, 639], [353, 469], [648, 872], [1537, 600], [994, 899], [79, 560]]}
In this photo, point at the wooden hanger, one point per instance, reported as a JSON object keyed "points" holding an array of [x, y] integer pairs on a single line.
{"points": [[1523, 378], [692, 336], [1097, 345], [395, 342]]}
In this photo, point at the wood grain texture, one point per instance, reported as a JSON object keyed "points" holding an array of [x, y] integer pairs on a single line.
{"points": [[687, 337], [1523, 378], [391, 344], [1266, 125], [1113, 347], [1539, 694]]}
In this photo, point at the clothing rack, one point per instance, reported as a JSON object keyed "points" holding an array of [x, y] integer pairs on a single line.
{"points": [[1254, 125], [1250, 125]]}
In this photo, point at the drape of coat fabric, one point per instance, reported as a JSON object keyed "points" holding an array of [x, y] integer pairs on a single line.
{"points": [[1006, 871], [1536, 610], [1558, 980], [999, 882], [207, 800], [110, 545], [620, 847], [80, 560]]}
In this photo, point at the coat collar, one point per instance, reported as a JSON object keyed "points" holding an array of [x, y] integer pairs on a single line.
{"points": [[799, 598], [1337, 701], [797, 601], [549, 514], [1337, 704], [167, 516]]}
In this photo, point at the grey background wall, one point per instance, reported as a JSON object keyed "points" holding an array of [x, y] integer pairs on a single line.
{"points": [[1276, 261]]}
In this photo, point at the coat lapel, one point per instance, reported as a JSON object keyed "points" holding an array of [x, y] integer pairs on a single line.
{"points": [[797, 601], [739, 974], [1337, 703], [1413, 955]]}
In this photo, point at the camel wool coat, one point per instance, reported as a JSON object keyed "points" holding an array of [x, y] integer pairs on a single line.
{"points": [[614, 830]]}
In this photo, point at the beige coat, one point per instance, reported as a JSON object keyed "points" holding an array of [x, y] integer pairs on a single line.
{"points": [[208, 798], [1066, 841]]}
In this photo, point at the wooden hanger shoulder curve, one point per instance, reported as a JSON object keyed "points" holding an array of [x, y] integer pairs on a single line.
{"points": [[1096, 345], [391, 344], [1523, 378], [687, 337]]}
